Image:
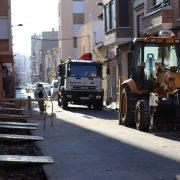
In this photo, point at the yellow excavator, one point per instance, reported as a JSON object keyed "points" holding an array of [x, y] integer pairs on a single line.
{"points": [[150, 99]]}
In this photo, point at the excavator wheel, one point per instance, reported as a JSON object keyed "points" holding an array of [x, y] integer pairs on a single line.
{"points": [[127, 108], [142, 115]]}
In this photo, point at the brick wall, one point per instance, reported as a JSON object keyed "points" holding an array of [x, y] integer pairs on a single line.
{"points": [[176, 13], [3, 7], [4, 45]]}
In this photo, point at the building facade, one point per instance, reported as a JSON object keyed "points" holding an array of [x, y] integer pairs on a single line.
{"points": [[118, 33], [125, 20], [93, 35], [40, 44], [72, 15], [6, 54], [21, 69], [52, 61], [152, 16]]}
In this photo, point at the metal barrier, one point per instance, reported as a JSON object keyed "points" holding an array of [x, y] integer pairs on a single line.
{"points": [[26, 109]]}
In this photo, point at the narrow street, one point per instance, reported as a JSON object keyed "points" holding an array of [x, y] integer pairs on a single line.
{"points": [[90, 145]]}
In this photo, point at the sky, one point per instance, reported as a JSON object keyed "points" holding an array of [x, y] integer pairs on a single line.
{"points": [[36, 16]]}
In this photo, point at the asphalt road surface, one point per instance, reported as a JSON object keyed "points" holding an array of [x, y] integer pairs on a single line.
{"points": [[90, 145]]}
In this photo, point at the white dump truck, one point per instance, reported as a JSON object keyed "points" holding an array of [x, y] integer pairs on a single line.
{"points": [[80, 82]]}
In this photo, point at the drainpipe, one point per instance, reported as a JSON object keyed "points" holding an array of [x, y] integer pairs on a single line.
{"points": [[1, 81]]}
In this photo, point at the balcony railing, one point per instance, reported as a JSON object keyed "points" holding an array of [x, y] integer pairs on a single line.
{"points": [[158, 20], [162, 4]]}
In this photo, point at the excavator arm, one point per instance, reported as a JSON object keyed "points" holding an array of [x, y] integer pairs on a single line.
{"points": [[164, 79]]}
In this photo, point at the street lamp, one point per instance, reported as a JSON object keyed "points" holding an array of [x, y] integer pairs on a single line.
{"points": [[99, 4], [19, 25]]}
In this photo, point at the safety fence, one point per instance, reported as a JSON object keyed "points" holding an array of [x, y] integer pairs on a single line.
{"points": [[33, 109]]}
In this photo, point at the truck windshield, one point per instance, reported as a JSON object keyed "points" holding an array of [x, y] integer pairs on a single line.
{"points": [[83, 71], [168, 55]]}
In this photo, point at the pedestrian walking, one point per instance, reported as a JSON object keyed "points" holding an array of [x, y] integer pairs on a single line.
{"points": [[40, 94]]}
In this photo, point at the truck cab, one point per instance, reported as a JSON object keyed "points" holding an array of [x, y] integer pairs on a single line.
{"points": [[80, 82]]}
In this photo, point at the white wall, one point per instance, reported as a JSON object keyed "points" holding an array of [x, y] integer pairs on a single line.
{"points": [[98, 31]]}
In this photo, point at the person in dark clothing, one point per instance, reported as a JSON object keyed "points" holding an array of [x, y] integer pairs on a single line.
{"points": [[40, 94]]}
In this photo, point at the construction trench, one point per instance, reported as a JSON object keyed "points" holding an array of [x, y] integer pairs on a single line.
{"points": [[20, 158]]}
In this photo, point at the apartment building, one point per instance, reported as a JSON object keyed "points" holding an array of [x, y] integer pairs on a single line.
{"points": [[52, 61], [94, 29], [6, 54], [72, 15], [40, 44], [155, 15], [118, 33], [124, 20]]}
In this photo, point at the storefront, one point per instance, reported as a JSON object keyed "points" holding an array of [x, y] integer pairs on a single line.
{"points": [[7, 83]]}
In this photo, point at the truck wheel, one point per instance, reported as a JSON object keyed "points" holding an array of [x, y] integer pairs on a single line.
{"points": [[98, 105], [142, 115], [64, 104], [127, 108]]}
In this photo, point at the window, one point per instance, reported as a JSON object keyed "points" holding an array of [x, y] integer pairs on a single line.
{"points": [[157, 4], [152, 54], [106, 18], [75, 29], [78, 18], [75, 42], [83, 71], [4, 28], [112, 14], [139, 23], [78, 7], [75, 53], [109, 11], [179, 9], [59, 9], [167, 55], [124, 13], [7, 69]]}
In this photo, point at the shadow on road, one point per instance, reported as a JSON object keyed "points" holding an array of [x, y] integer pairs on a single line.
{"points": [[82, 153], [109, 114], [106, 114], [169, 135]]}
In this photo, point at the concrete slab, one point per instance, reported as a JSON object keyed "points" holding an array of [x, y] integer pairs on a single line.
{"points": [[18, 123], [8, 116], [14, 109], [17, 159], [14, 137], [17, 127]]}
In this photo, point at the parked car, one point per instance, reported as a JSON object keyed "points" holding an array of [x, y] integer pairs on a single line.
{"points": [[47, 87], [54, 86], [29, 87], [19, 87]]}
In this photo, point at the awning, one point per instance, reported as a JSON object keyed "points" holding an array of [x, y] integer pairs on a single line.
{"points": [[6, 58]]}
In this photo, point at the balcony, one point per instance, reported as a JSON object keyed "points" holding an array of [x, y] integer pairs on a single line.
{"points": [[162, 4], [160, 17]]}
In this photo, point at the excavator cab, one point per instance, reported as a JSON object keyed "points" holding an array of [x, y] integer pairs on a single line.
{"points": [[154, 86], [145, 57]]}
